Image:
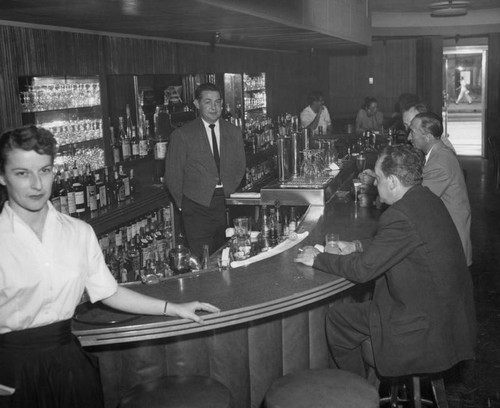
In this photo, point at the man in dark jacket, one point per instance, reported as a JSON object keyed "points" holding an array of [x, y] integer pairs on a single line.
{"points": [[205, 163], [421, 318]]}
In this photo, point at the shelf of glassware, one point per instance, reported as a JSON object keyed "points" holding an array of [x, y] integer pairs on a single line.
{"points": [[70, 108]]}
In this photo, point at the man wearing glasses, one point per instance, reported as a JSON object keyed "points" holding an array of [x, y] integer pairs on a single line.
{"points": [[205, 163]]}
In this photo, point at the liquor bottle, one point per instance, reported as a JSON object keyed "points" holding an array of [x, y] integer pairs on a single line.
{"points": [[279, 221], [134, 184], [55, 197], [71, 193], [91, 190], [125, 179], [292, 225], [63, 195], [118, 189], [134, 143], [102, 199], [264, 230], [144, 142], [116, 146], [124, 140], [109, 185], [273, 228], [129, 125], [79, 191], [135, 257]]}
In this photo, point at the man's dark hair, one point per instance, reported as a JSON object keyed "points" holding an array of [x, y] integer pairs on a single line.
{"points": [[314, 96], [403, 161], [27, 138], [208, 86], [431, 123]]}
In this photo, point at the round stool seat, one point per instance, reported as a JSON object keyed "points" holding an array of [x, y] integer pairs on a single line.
{"points": [[328, 388], [178, 392]]}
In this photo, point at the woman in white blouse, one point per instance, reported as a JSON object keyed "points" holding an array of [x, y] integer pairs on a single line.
{"points": [[47, 259]]}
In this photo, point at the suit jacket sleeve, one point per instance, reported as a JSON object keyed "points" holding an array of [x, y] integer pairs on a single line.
{"points": [[394, 241], [174, 165]]}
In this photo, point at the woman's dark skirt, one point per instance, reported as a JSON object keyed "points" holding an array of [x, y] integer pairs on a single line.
{"points": [[48, 369]]}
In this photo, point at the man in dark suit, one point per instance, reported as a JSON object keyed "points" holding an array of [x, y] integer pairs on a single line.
{"points": [[205, 163], [421, 318]]}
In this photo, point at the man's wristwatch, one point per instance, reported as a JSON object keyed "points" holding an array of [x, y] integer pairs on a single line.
{"points": [[358, 245]]}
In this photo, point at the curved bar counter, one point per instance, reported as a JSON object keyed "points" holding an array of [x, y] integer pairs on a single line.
{"points": [[271, 320]]}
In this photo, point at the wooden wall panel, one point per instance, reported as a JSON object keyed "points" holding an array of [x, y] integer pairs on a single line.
{"points": [[391, 64], [493, 82], [430, 72]]}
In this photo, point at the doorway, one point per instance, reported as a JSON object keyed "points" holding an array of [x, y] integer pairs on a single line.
{"points": [[464, 98]]}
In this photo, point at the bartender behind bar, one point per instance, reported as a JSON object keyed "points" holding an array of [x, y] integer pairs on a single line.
{"points": [[205, 163]]}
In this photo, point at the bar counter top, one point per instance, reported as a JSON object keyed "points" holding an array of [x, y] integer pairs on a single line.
{"points": [[245, 294]]}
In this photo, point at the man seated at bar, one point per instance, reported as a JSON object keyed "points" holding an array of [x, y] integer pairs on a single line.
{"points": [[315, 115], [413, 111], [421, 318], [443, 174], [47, 260], [369, 117], [205, 163]]}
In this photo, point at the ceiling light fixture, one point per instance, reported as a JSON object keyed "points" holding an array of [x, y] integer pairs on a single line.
{"points": [[451, 8]]}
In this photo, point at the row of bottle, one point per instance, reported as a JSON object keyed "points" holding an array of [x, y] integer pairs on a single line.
{"points": [[78, 193], [256, 173], [131, 142], [140, 249], [277, 225]]}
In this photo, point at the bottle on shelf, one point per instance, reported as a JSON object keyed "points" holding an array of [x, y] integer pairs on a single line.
{"points": [[102, 199], [292, 224], [63, 195], [144, 141], [116, 146], [55, 197], [134, 144], [80, 192], [71, 193], [124, 140], [91, 190], [125, 179], [134, 184], [264, 230], [118, 189], [109, 186], [273, 228]]}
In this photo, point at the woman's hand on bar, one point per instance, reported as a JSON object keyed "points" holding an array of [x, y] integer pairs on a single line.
{"points": [[187, 310]]}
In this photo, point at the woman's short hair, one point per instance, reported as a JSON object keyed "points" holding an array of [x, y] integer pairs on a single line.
{"points": [[403, 161], [27, 138], [368, 101], [314, 96]]}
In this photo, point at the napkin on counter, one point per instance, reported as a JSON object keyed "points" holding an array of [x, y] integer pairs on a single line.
{"points": [[247, 194], [287, 244]]}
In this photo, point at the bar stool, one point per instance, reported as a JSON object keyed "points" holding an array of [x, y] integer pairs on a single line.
{"points": [[327, 388], [178, 392], [396, 397]]}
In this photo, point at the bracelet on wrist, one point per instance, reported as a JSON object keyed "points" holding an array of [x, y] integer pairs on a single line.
{"points": [[165, 308]]}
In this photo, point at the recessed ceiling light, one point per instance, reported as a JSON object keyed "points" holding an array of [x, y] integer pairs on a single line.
{"points": [[449, 12], [450, 4], [451, 8]]}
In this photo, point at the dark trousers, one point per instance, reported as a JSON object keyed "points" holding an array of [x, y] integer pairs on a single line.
{"points": [[347, 327], [205, 225]]}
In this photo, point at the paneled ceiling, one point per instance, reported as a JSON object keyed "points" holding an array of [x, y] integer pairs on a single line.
{"points": [[190, 20]]}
